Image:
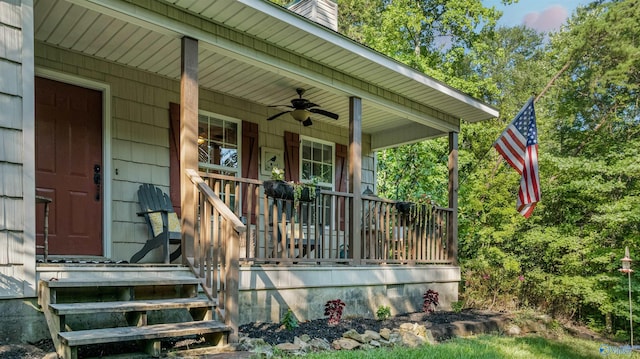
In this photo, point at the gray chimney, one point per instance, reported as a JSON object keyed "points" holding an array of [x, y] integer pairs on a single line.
{"points": [[324, 12]]}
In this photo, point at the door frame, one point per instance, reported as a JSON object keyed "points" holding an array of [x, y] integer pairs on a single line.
{"points": [[105, 89]]}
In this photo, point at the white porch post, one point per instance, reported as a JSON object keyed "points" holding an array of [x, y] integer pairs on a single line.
{"points": [[188, 141], [452, 223], [355, 177]]}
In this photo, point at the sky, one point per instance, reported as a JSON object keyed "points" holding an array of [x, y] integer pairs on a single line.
{"points": [[540, 15]]}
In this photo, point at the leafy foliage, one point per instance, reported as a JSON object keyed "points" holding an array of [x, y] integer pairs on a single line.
{"points": [[289, 320], [333, 309], [430, 301], [383, 312]]}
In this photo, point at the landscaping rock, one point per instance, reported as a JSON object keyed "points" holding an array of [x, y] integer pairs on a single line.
{"points": [[514, 330], [301, 343], [288, 347], [352, 334], [370, 335], [345, 344], [255, 345], [318, 344], [385, 333], [412, 340], [305, 338]]}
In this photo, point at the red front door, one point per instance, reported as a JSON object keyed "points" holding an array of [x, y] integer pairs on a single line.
{"points": [[69, 166]]}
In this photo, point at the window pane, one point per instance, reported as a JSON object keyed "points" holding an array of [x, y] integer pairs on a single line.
{"points": [[327, 156], [230, 133], [306, 150], [306, 170], [317, 152], [317, 172], [326, 174]]}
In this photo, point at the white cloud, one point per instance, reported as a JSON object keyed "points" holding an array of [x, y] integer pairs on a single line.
{"points": [[548, 20]]}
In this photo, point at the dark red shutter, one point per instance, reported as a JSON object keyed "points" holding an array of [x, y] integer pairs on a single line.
{"points": [[250, 151], [174, 156], [342, 174], [342, 171], [291, 156], [250, 154]]}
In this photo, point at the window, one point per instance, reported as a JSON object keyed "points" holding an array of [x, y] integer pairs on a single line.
{"points": [[316, 159], [218, 144], [219, 148], [317, 165]]}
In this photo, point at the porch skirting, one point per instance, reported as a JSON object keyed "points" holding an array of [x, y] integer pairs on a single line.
{"points": [[266, 292]]}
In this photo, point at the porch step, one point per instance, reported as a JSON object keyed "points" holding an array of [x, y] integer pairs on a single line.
{"points": [[149, 332], [129, 306], [133, 282], [84, 311], [151, 335]]}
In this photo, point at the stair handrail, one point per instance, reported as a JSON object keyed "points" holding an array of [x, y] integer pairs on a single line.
{"points": [[209, 269], [216, 202]]}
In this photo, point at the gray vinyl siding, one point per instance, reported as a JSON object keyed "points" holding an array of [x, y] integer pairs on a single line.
{"points": [[17, 237]]}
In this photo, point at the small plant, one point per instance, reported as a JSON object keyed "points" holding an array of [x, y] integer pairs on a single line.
{"points": [[383, 312], [430, 301], [277, 174], [457, 306], [289, 320], [333, 309], [299, 187]]}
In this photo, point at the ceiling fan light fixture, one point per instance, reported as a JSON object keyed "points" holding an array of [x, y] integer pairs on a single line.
{"points": [[307, 122], [300, 115]]}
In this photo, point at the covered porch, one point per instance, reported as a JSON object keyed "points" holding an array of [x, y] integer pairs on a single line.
{"points": [[233, 61]]}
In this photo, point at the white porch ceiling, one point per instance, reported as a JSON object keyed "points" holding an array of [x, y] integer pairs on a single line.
{"points": [[260, 52]]}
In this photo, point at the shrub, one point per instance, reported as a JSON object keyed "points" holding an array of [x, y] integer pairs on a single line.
{"points": [[289, 320], [333, 309], [383, 312], [430, 301], [457, 306]]}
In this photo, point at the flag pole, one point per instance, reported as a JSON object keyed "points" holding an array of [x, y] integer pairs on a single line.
{"points": [[542, 93], [553, 79]]}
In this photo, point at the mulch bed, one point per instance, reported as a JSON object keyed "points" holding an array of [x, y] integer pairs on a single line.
{"points": [[440, 324]]}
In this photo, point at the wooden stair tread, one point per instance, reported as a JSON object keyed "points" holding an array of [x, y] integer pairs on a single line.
{"points": [[129, 306], [74, 283], [156, 331]]}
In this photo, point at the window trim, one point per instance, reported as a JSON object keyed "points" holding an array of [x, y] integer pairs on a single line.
{"points": [[238, 122]]}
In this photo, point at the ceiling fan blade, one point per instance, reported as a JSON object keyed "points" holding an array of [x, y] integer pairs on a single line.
{"points": [[323, 112], [277, 115], [307, 122]]}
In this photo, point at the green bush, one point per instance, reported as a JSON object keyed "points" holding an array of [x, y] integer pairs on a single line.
{"points": [[457, 306], [383, 312], [289, 320]]}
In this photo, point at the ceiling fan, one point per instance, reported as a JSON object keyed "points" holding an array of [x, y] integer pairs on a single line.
{"points": [[301, 110]]}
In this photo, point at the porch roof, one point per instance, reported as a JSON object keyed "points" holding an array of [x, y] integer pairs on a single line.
{"points": [[260, 52]]}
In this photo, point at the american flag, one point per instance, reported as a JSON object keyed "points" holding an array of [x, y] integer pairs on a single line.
{"points": [[518, 145]]}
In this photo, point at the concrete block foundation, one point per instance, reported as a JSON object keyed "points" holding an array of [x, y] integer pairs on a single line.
{"points": [[267, 292]]}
